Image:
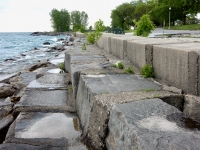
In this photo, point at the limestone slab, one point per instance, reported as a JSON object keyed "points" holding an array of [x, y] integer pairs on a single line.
{"points": [[149, 124], [91, 85], [36, 128], [43, 100], [52, 81]]}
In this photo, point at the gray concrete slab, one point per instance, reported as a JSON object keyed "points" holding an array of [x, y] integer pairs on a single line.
{"points": [[5, 109], [140, 52], [28, 77], [4, 78], [177, 65], [43, 100], [103, 103], [52, 129], [149, 124], [52, 81], [91, 85], [119, 45]]}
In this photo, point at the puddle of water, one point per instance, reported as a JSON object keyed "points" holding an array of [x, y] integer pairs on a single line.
{"points": [[53, 125], [54, 71], [36, 84], [57, 61]]}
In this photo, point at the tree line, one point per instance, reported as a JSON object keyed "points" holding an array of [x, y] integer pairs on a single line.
{"points": [[158, 10], [64, 21]]}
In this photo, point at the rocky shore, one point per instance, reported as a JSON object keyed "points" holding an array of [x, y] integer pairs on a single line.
{"points": [[51, 33]]}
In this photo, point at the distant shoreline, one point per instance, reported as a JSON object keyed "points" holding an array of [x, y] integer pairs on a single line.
{"points": [[51, 33]]}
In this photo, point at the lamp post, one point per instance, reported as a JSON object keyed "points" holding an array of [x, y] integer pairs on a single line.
{"points": [[169, 16]]}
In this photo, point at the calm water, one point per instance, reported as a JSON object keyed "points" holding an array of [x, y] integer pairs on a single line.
{"points": [[19, 49]]}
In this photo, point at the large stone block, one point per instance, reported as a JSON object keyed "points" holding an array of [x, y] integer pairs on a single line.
{"points": [[91, 85], [176, 65], [191, 106], [140, 52], [5, 109], [98, 126], [119, 45], [149, 124]]}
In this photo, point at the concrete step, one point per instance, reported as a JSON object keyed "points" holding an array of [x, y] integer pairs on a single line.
{"points": [[150, 124], [37, 129]]}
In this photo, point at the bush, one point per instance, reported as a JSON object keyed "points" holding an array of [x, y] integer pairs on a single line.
{"points": [[92, 37], [84, 47], [144, 27], [62, 66], [120, 65], [147, 71], [129, 70]]}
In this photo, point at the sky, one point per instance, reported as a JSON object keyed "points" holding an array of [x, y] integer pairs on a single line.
{"points": [[33, 15]]}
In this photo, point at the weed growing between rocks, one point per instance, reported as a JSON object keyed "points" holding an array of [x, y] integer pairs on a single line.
{"points": [[129, 70], [147, 71], [84, 47], [62, 67]]}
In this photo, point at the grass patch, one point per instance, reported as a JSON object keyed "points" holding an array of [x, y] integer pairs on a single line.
{"points": [[120, 65], [147, 71], [185, 27], [62, 67], [129, 70]]}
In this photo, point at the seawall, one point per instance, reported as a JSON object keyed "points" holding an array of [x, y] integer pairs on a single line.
{"points": [[125, 111]]}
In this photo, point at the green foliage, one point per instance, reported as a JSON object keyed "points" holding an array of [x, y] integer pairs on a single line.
{"points": [[84, 46], [144, 27], [129, 70], [120, 65], [147, 71], [60, 20], [79, 20], [114, 65], [90, 28], [99, 26], [62, 66], [92, 37]]}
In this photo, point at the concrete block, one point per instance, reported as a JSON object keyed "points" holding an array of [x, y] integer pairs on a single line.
{"points": [[5, 109], [149, 124], [119, 45], [43, 100], [44, 129], [91, 85], [98, 126], [176, 65], [140, 52], [80, 35], [191, 106]]}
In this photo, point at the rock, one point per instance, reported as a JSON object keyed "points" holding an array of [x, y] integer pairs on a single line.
{"points": [[71, 39], [4, 125], [8, 100], [191, 106], [6, 78], [38, 65], [9, 59], [18, 94], [6, 90], [59, 47], [23, 54], [149, 125], [41, 72], [46, 43], [5, 109], [36, 48], [70, 44], [61, 39]]}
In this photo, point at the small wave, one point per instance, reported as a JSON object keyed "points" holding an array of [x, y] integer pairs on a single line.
{"points": [[54, 39], [27, 57]]}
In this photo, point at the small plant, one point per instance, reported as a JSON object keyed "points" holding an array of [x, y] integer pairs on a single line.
{"points": [[114, 65], [84, 46], [129, 70], [156, 96], [92, 37], [62, 67], [120, 65], [147, 71]]}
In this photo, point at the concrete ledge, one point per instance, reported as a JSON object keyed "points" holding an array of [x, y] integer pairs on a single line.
{"points": [[80, 35], [149, 124], [177, 65]]}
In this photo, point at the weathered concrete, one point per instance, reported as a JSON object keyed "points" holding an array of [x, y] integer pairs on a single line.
{"points": [[5, 109], [43, 100], [4, 125], [177, 65], [6, 78], [50, 81], [119, 45], [44, 129], [191, 106], [91, 85], [140, 52], [6, 90], [149, 124], [98, 126], [80, 35], [28, 77]]}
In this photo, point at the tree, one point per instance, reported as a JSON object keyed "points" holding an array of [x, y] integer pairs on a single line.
{"points": [[122, 16], [60, 20], [144, 26], [79, 20], [99, 25]]}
